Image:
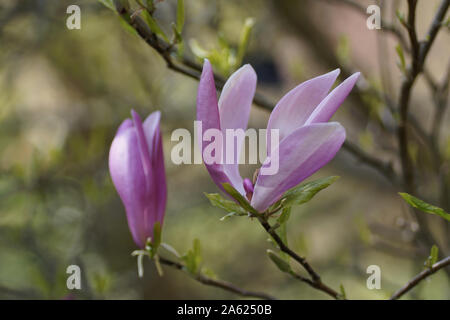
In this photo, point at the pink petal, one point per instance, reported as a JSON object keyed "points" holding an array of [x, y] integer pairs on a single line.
{"points": [[302, 153], [234, 108], [208, 114], [127, 173], [236, 98], [334, 99], [152, 132], [296, 106]]}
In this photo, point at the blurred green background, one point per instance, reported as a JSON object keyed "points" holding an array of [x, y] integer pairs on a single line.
{"points": [[63, 93]]}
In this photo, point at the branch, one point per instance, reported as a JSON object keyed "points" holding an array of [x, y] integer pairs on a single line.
{"points": [[227, 286], [315, 280], [385, 168], [421, 276]]}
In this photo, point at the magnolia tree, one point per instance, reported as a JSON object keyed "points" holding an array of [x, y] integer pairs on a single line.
{"points": [[300, 139]]}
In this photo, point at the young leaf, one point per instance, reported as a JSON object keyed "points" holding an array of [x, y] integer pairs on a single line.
{"points": [[401, 18], [180, 16], [305, 192], [433, 258], [244, 40], [230, 206], [279, 262], [239, 198], [282, 230], [171, 249], [343, 294], [193, 257], [231, 214], [401, 56], [423, 206], [284, 216]]}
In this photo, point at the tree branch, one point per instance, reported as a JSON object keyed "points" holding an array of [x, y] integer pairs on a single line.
{"points": [[421, 276], [227, 286], [315, 280]]}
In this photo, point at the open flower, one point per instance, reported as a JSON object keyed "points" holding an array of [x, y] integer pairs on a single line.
{"points": [[307, 141], [136, 165]]}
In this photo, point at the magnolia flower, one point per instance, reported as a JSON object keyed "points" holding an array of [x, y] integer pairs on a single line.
{"points": [[136, 165], [307, 141]]}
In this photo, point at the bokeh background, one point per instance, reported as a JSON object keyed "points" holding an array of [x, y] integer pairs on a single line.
{"points": [[63, 93]]}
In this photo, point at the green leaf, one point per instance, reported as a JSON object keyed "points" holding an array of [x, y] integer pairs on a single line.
{"points": [[177, 36], [401, 17], [230, 206], [279, 262], [180, 16], [433, 258], [343, 294], [153, 25], [128, 28], [401, 56], [305, 192], [244, 40], [239, 198], [193, 257], [282, 229], [231, 214], [434, 254], [284, 216], [343, 49], [423, 206]]}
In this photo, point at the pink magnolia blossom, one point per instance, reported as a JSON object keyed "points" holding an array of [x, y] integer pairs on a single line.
{"points": [[136, 165], [307, 141]]}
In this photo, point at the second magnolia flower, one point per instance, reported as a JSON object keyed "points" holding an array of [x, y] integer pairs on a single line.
{"points": [[307, 140], [136, 164]]}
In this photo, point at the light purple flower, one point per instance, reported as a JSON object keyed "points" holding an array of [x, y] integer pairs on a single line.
{"points": [[307, 141], [136, 165]]}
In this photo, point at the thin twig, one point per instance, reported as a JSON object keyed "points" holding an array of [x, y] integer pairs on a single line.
{"points": [[421, 276], [315, 280], [227, 286]]}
